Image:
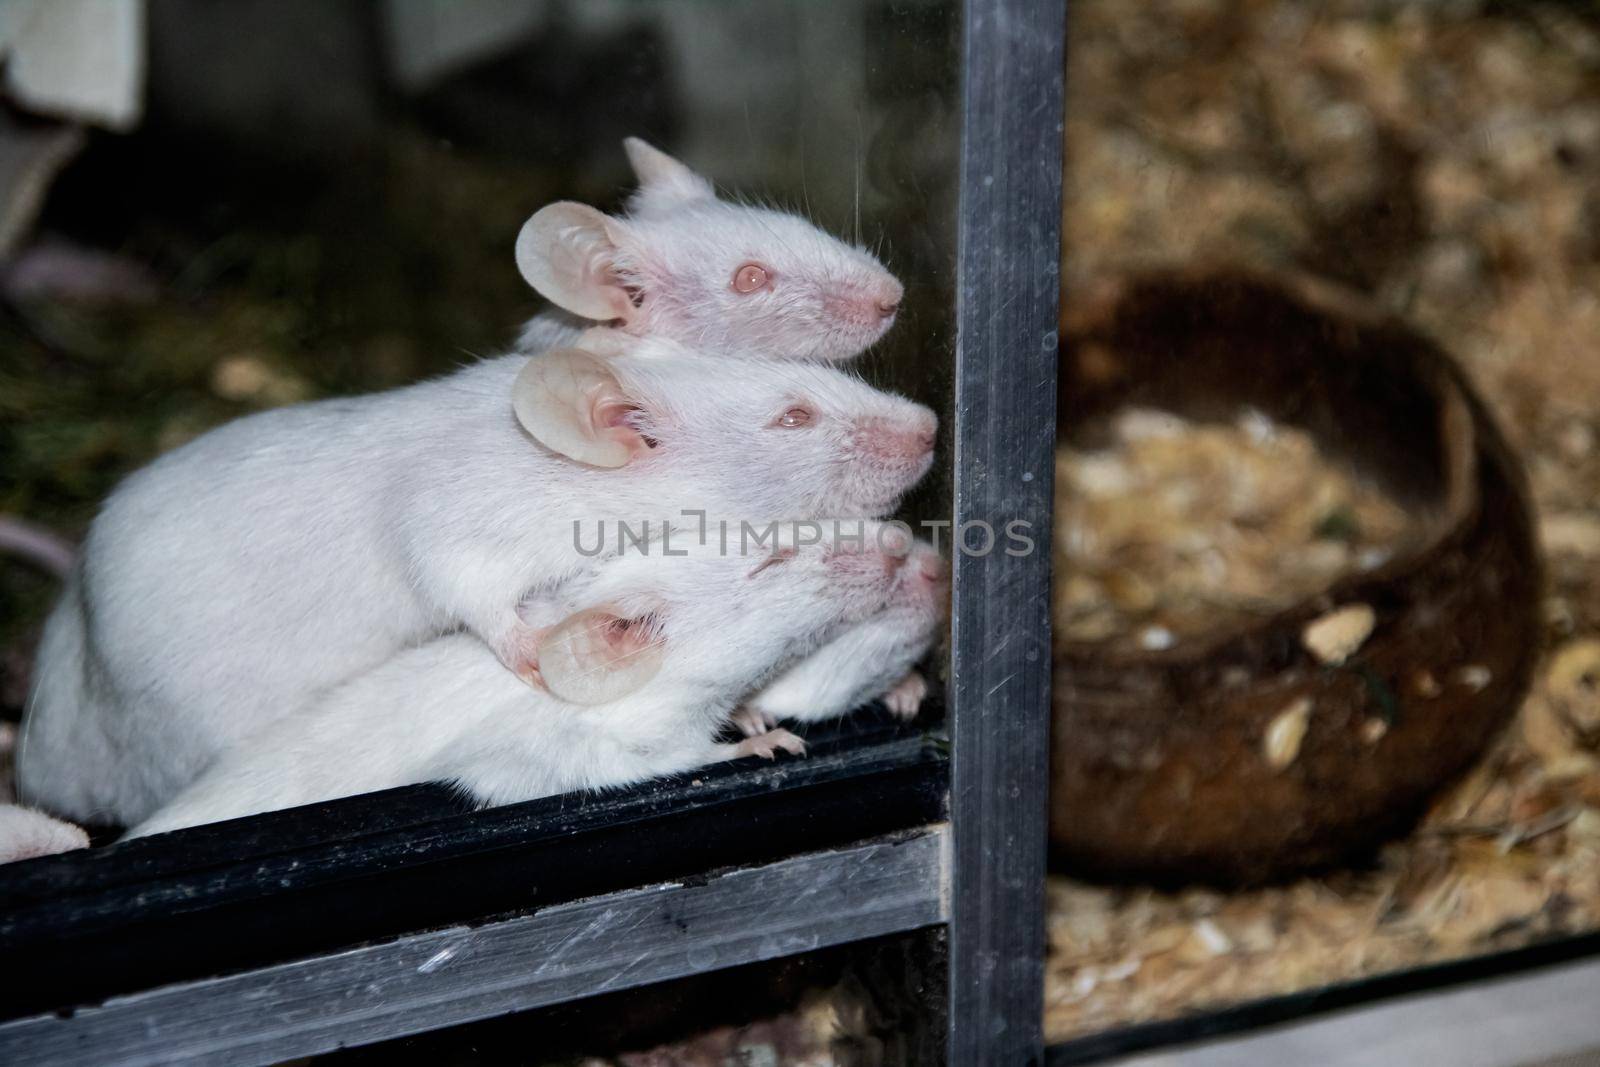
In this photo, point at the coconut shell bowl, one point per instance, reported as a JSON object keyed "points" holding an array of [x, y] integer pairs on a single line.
{"points": [[1305, 736]]}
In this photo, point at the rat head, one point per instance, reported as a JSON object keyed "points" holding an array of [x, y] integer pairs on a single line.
{"points": [[917, 605], [714, 275], [737, 438], [707, 622]]}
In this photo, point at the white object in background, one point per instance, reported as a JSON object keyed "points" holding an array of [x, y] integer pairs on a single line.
{"points": [[76, 59]]}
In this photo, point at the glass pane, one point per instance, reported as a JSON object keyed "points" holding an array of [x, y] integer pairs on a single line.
{"points": [[1330, 281], [323, 200]]}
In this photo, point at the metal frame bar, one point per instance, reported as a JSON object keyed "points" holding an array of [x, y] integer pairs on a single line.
{"points": [[1008, 265], [463, 973], [236, 896], [1289, 1010]]}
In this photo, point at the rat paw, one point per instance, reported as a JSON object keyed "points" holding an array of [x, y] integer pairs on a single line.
{"points": [[753, 723], [518, 651], [768, 745], [906, 697]]}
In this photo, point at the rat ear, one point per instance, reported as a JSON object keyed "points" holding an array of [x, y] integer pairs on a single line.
{"points": [[571, 403], [662, 179], [598, 656], [566, 251]]}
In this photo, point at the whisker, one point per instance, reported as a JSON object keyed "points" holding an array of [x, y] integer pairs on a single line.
{"points": [[858, 176]]}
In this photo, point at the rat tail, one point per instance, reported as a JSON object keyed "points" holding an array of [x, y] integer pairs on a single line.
{"points": [[37, 545]]}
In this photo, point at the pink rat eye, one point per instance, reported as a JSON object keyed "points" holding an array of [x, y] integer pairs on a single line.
{"points": [[750, 277], [794, 418]]}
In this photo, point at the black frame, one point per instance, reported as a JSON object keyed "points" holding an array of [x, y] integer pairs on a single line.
{"points": [[465, 972], [118, 953], [1008, 291]]}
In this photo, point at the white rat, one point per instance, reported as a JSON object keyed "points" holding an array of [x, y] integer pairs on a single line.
{"points": [[870, 660], [676, 640], [293, 549], [718, 276]]}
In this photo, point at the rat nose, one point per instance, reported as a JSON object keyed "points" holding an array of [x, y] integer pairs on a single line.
{"points": [[932, 566], [889, 293]]}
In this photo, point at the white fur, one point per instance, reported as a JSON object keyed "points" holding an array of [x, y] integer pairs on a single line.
{"points": [[678, 249], [448, 712], [26, 834], [550, 330], [288, 551], [866, 660]]}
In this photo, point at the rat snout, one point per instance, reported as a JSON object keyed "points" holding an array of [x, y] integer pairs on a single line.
{"points": [[926, 430], [869, 306], [899, 439], [926, 571], [924, 582], [870, 561], [889, 297]]}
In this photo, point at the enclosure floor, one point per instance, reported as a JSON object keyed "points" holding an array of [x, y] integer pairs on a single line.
{"points": [[1444, 160]]}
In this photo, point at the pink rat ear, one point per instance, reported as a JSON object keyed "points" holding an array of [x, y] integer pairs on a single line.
{"points": [[597, 656], [571, 403], [663, 181], [565, 251]]}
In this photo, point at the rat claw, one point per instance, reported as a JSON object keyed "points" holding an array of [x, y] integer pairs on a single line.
{"points": [[518, 652], [768, 745], [525, 665], [753, 723], [906, 697]]}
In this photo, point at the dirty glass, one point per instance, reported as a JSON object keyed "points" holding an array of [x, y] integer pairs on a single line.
{"points": [[301, 201]]}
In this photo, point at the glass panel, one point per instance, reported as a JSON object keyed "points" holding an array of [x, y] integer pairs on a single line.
{"points": [[322, 200], [1330, 290]]}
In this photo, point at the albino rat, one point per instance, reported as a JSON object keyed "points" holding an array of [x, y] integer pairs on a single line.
{"points": [[717, 276], [295, 548], [870, 660], [676, 640]]}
